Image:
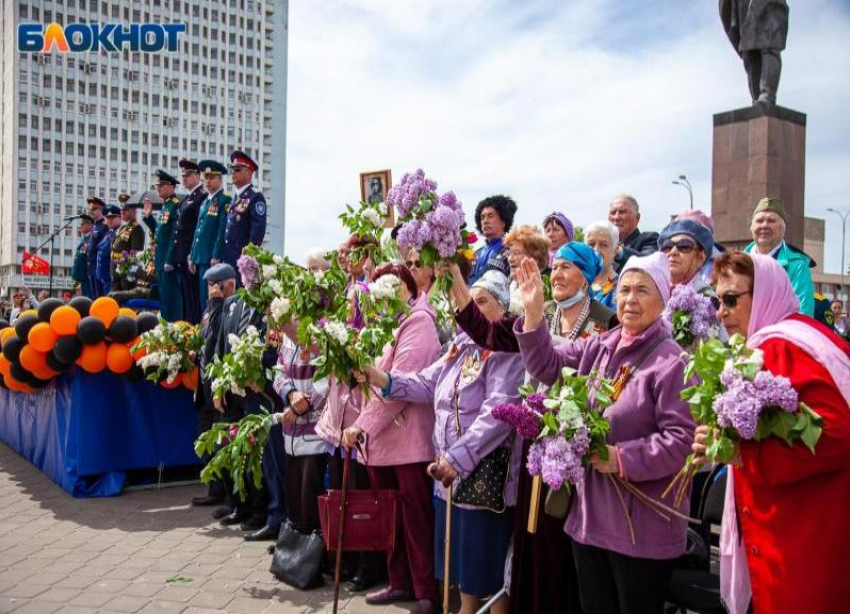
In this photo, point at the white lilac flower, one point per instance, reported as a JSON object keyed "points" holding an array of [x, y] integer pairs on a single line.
{"points": [[278, 259], [269, 271], [279, 308], [337, 331], [276, 286], [318, 276], [372, 216], [383, 209], [385, 287], [234, 341]]}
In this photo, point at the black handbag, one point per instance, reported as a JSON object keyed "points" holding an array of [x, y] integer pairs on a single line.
{"points": [[298, 557], [484, 488]]}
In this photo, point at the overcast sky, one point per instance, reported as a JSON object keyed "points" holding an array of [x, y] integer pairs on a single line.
{"points": [[559, 104]]}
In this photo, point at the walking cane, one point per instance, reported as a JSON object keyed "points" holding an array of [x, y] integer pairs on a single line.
{"points": [[346, 467], [447, 541]]}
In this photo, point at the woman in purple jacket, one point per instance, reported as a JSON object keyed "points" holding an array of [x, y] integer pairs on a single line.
{"points": [[463, 387], [620, 570]]}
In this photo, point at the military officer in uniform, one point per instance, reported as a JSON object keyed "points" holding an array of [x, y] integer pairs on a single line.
{"points": [[99, 229], [184, 235], [208, 244], [163, 232], [104, 250], [130, 238], [80, 269], [246, 221]]}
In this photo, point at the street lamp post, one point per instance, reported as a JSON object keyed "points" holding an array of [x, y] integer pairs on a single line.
{"points": [[843, 217], [683, 181]]}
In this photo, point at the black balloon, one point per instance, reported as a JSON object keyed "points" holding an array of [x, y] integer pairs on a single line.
{"points": [[24, 324], [4, 324], [59, 365], [123, 329], [81, 304], [20, 374], [91, 331], [12, 348], [38, 383], [146, 321], [47, 307], [67, 350]]}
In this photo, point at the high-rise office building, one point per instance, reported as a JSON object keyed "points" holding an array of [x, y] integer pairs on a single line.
{"points": [[74, 125]]}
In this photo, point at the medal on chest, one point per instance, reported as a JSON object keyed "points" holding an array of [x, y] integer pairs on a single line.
{"points": [[472, 365]]}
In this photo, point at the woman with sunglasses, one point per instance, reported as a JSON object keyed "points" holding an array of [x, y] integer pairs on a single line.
{"points": [[687, 245], [624, 561], [783, 499]]}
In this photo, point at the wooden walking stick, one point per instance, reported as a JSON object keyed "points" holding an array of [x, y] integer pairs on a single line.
{"points": [[534, 504], [346, 467], [447, 549]]}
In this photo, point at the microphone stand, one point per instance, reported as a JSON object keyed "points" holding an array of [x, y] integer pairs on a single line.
{"points": [[51, 240]]}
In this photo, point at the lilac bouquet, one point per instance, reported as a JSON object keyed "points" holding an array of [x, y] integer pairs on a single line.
{"points": [[740, 401], [432, 224], [566, 425], [691, 316]]}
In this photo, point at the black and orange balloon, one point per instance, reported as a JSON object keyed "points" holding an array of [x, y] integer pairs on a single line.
{"points": [[126, 311], [19, 373], [24, 324], [42, 338], [105, 309], [91, 330], [123, 329], [93, 358], [82, 304], [146, 321], [58, 365], [67, 350], [64, 320], [118, 358], [6, 333], [12, 347], [47, 307], [31, 360]]}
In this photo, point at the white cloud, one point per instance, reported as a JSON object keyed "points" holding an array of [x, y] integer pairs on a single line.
{"points": [[561, 105]]}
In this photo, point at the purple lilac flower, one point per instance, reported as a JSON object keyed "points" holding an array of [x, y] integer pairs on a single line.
{"points": [[776, 391], [739, 408], [407, 194], [731, 377], [526, 423], [413, 234], [248, 268], [444, 228], [450, 200], [534, 402], [535, 457], [561, 462], [685, 299]]}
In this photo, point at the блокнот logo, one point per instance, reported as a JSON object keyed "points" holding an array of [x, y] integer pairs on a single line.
{"points": [[80, 37]]}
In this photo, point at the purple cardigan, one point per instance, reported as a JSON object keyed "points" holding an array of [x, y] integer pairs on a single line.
{"points": [[650, 425]]}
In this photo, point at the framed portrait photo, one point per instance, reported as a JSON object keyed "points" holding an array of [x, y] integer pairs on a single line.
{"points": [[374, 186]]}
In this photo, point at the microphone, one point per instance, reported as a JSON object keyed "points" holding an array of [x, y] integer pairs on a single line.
{"points": [[69, 218]]}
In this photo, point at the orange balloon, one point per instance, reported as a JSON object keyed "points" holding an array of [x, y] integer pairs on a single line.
{"points": [[93, 358], [6, 333], [29, 312], [118, 358], [45, 373], [5, 365], [32, 360], [173, 384], [104, 309], [126, 311], [42, 337], [13, 384], [64, 320], [190, 379]]}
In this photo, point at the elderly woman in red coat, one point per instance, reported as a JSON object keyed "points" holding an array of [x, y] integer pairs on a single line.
{"points": [[791, 505]]}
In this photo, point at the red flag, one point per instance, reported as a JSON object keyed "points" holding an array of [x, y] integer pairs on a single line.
{"points": [[34, 265]]}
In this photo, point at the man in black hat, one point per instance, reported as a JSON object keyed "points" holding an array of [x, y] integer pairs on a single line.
{"points": [[80, 268], [163, 232], [129, 241], [246, 220], [184, 234], [104, 250], [99, 230]]}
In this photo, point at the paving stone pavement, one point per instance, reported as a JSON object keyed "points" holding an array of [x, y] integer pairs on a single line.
{"points": [[117, 554]]}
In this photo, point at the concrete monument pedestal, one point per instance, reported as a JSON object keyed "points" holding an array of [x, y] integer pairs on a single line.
{"points": [[759, 151]]}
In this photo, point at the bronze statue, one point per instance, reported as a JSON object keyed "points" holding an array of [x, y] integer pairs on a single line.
{"points": [[758, 30]]}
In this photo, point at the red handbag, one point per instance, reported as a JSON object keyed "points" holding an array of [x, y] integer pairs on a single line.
{"points": [[358, 520]]}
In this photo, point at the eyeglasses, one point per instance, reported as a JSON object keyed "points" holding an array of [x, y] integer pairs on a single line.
{"points": [[728, 300], [683, 247], [414, 263]]}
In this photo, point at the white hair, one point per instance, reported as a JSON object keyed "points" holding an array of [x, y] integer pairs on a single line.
{"points": [[633, 203], [317, 254], [603, 226]]}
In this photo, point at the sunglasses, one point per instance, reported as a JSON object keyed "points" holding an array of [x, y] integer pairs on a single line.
{"points": [[728, 300], [414, 263], [683, 247]]}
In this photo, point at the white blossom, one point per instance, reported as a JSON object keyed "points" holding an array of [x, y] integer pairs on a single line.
{"points": [[318, 276], [382, 207], [385, 287], [276, 286], [279, 308], [269, 271], [372, 216], [337, 331], [278, 259]]}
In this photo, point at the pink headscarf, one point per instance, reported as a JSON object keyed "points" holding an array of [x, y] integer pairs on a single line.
{"points": [[773, 302], [656, 266]]}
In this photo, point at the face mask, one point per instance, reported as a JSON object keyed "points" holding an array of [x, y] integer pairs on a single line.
{"points": [[573, 300]]}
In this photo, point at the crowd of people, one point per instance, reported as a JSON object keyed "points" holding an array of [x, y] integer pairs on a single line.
{"points": [[532, 301]]}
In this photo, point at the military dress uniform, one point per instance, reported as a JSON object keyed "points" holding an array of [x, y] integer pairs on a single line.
{"points": [[163, 232], [246, 220], [130, 237], [208, 243], [95, 237], [80, 268], [184, 235], [104, 255]]}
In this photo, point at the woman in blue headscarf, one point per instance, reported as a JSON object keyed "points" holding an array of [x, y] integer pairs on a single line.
{"points": [[573, 313]]}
